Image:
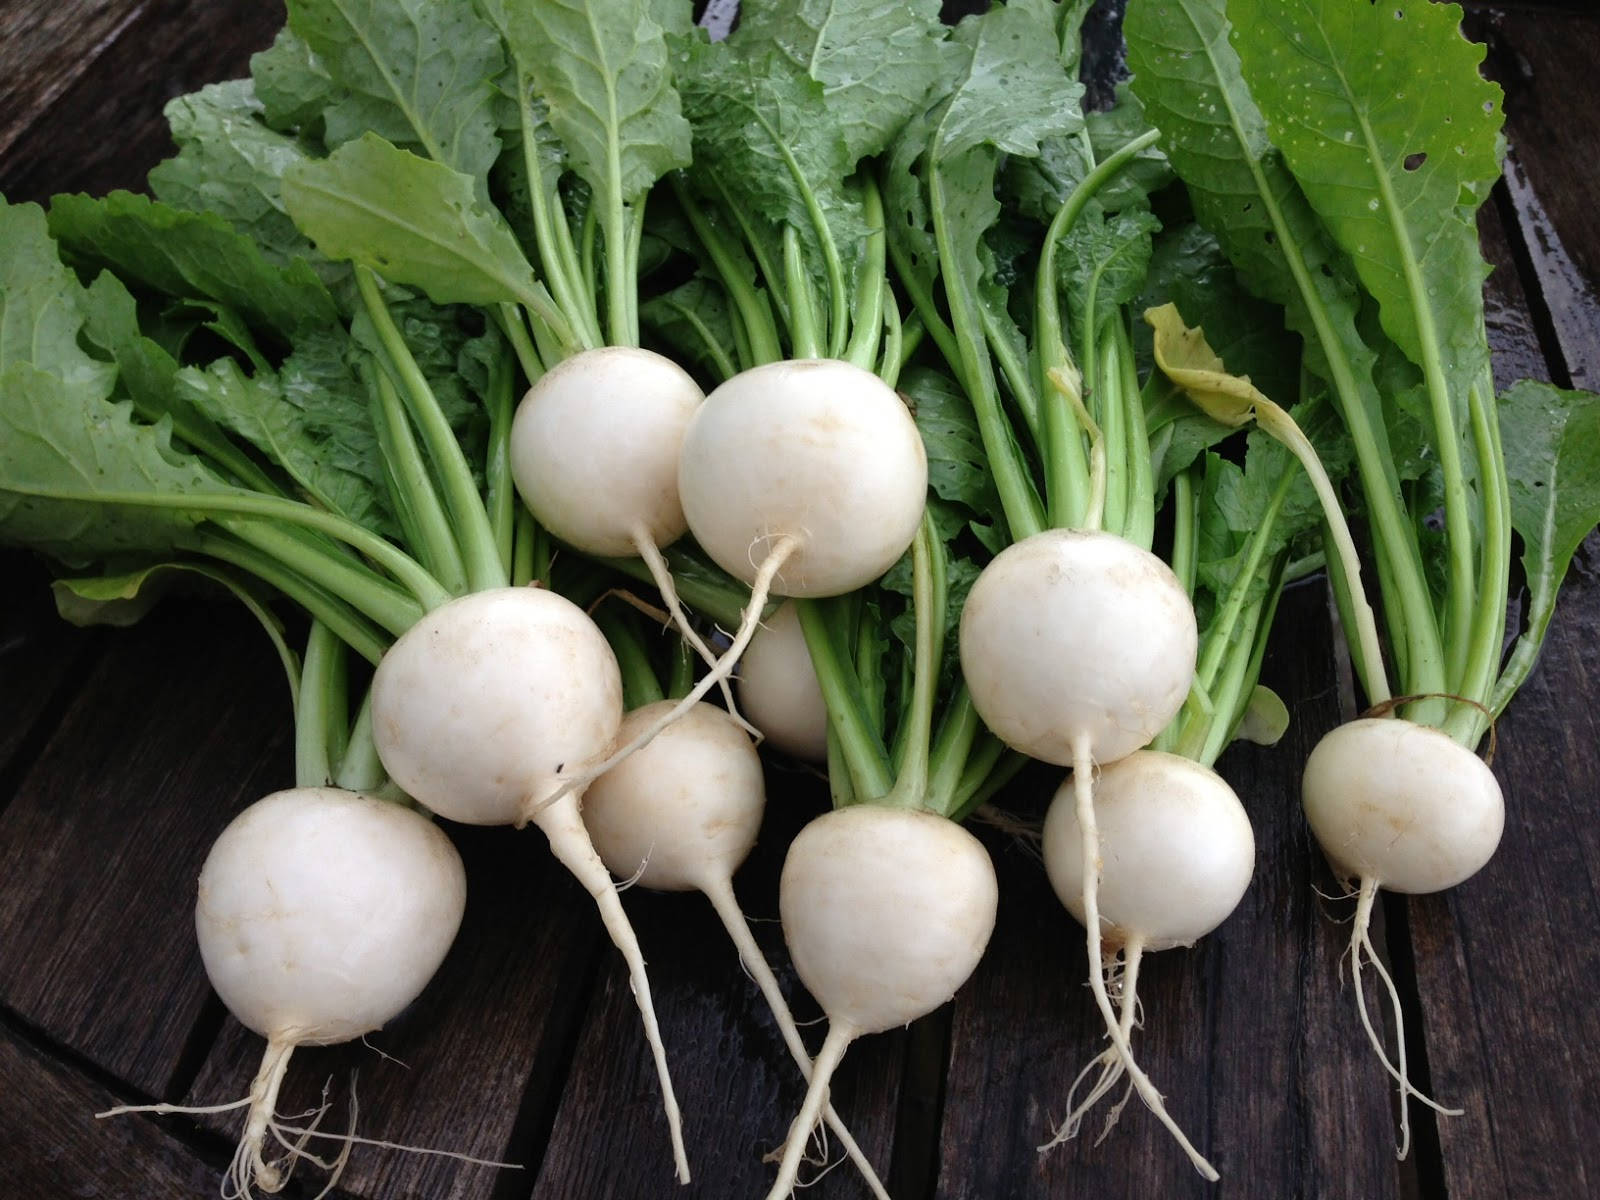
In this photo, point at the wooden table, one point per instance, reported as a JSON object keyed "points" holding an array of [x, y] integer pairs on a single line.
{"points": [[123, 753]]}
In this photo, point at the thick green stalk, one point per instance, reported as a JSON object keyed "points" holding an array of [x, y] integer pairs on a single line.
{"points": [[894, 339], [859, 745], [509, 319], [351, 626], [805, 336], [556, 257], [958, 729], [1185, 528], [1023, 512], [1224, 630], [929, 595], [500, 492], [435, 543], [321, 715], [1014, 369], [1467, 724], [1140, 525], [1111, 412], [524, 536], [368, 593], [757, 316], [475, 536], [872, 293], [639, 683]]}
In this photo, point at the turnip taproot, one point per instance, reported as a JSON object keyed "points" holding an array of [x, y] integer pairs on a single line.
{"points": [[682, 814]]}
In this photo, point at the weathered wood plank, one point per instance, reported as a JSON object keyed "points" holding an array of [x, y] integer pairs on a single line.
{"points": [[1545, 62], [54, 1147], [1505, 981], [481, 1053], [99, 849], [39, 656], [1250, 1035], [104, 129], [45, 45], [735, 1082]]}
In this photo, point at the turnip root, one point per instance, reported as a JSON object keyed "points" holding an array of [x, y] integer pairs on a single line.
{"points": [[1176, 854], [886, 912], [1398, 805], [594, 453], [322, 914], [485, 711], [778, 689], [1079, 647], [682, 814]]}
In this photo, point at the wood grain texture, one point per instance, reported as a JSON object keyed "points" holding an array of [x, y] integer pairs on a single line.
{"points": [[178, 725], [1546, 63], [104, 129], [493, 1028], [113, 1159], [40, 655], [734, 1080], [1280, 1113], [45, 46]]}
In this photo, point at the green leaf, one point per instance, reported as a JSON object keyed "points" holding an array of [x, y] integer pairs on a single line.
{"points": [[1265, 720], [417, 72], [310, 417], [1552, 454], [56, 441], [414, 221], [1103, 262], [293, 84], [1012, 91], [601, 67], [230, 162], [875, 59], [1383, 117], [188, 254], [40, 304], [696, 321]]}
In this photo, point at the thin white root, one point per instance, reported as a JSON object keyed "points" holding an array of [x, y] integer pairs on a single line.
{"points": [[662, 575], [569, 842], [781, 549], [1126, 975], [1083, 783], [1361, 942], [245, 1172], [833, 1047], [720, 893]]}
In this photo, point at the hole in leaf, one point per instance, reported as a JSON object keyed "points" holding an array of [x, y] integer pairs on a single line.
{"points": [[1272, 238], [1413, 161], [1327, 270]]}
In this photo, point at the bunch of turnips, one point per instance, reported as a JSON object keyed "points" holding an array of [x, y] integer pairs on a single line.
{"points": [[942, 424]]}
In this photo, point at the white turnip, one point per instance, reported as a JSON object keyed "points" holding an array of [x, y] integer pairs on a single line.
{"points": [[682, 814], [1401, 806], [1078, 648], [485, 711], [778, 689], [886, 912], [1176, 854]]}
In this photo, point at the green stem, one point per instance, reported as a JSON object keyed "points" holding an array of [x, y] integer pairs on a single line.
{"points": [[958, 728], [323, 704], [1140, 525], [1224, 630], [434, 541], [990, 768], [1185, 529], [872, 293], [747, 302], [1235, 685], [684, 664], [368, 593], [929, 595], [523, 531], [859, 745], [351, 626], [362, 769], [556, 257], [500, 492], [804, 335], [926, 309], [720, 362], [639, 683], [509, 319], [1014, 369], [1466, 724], [1023, 512], [1111, 412], [476, 537]]}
